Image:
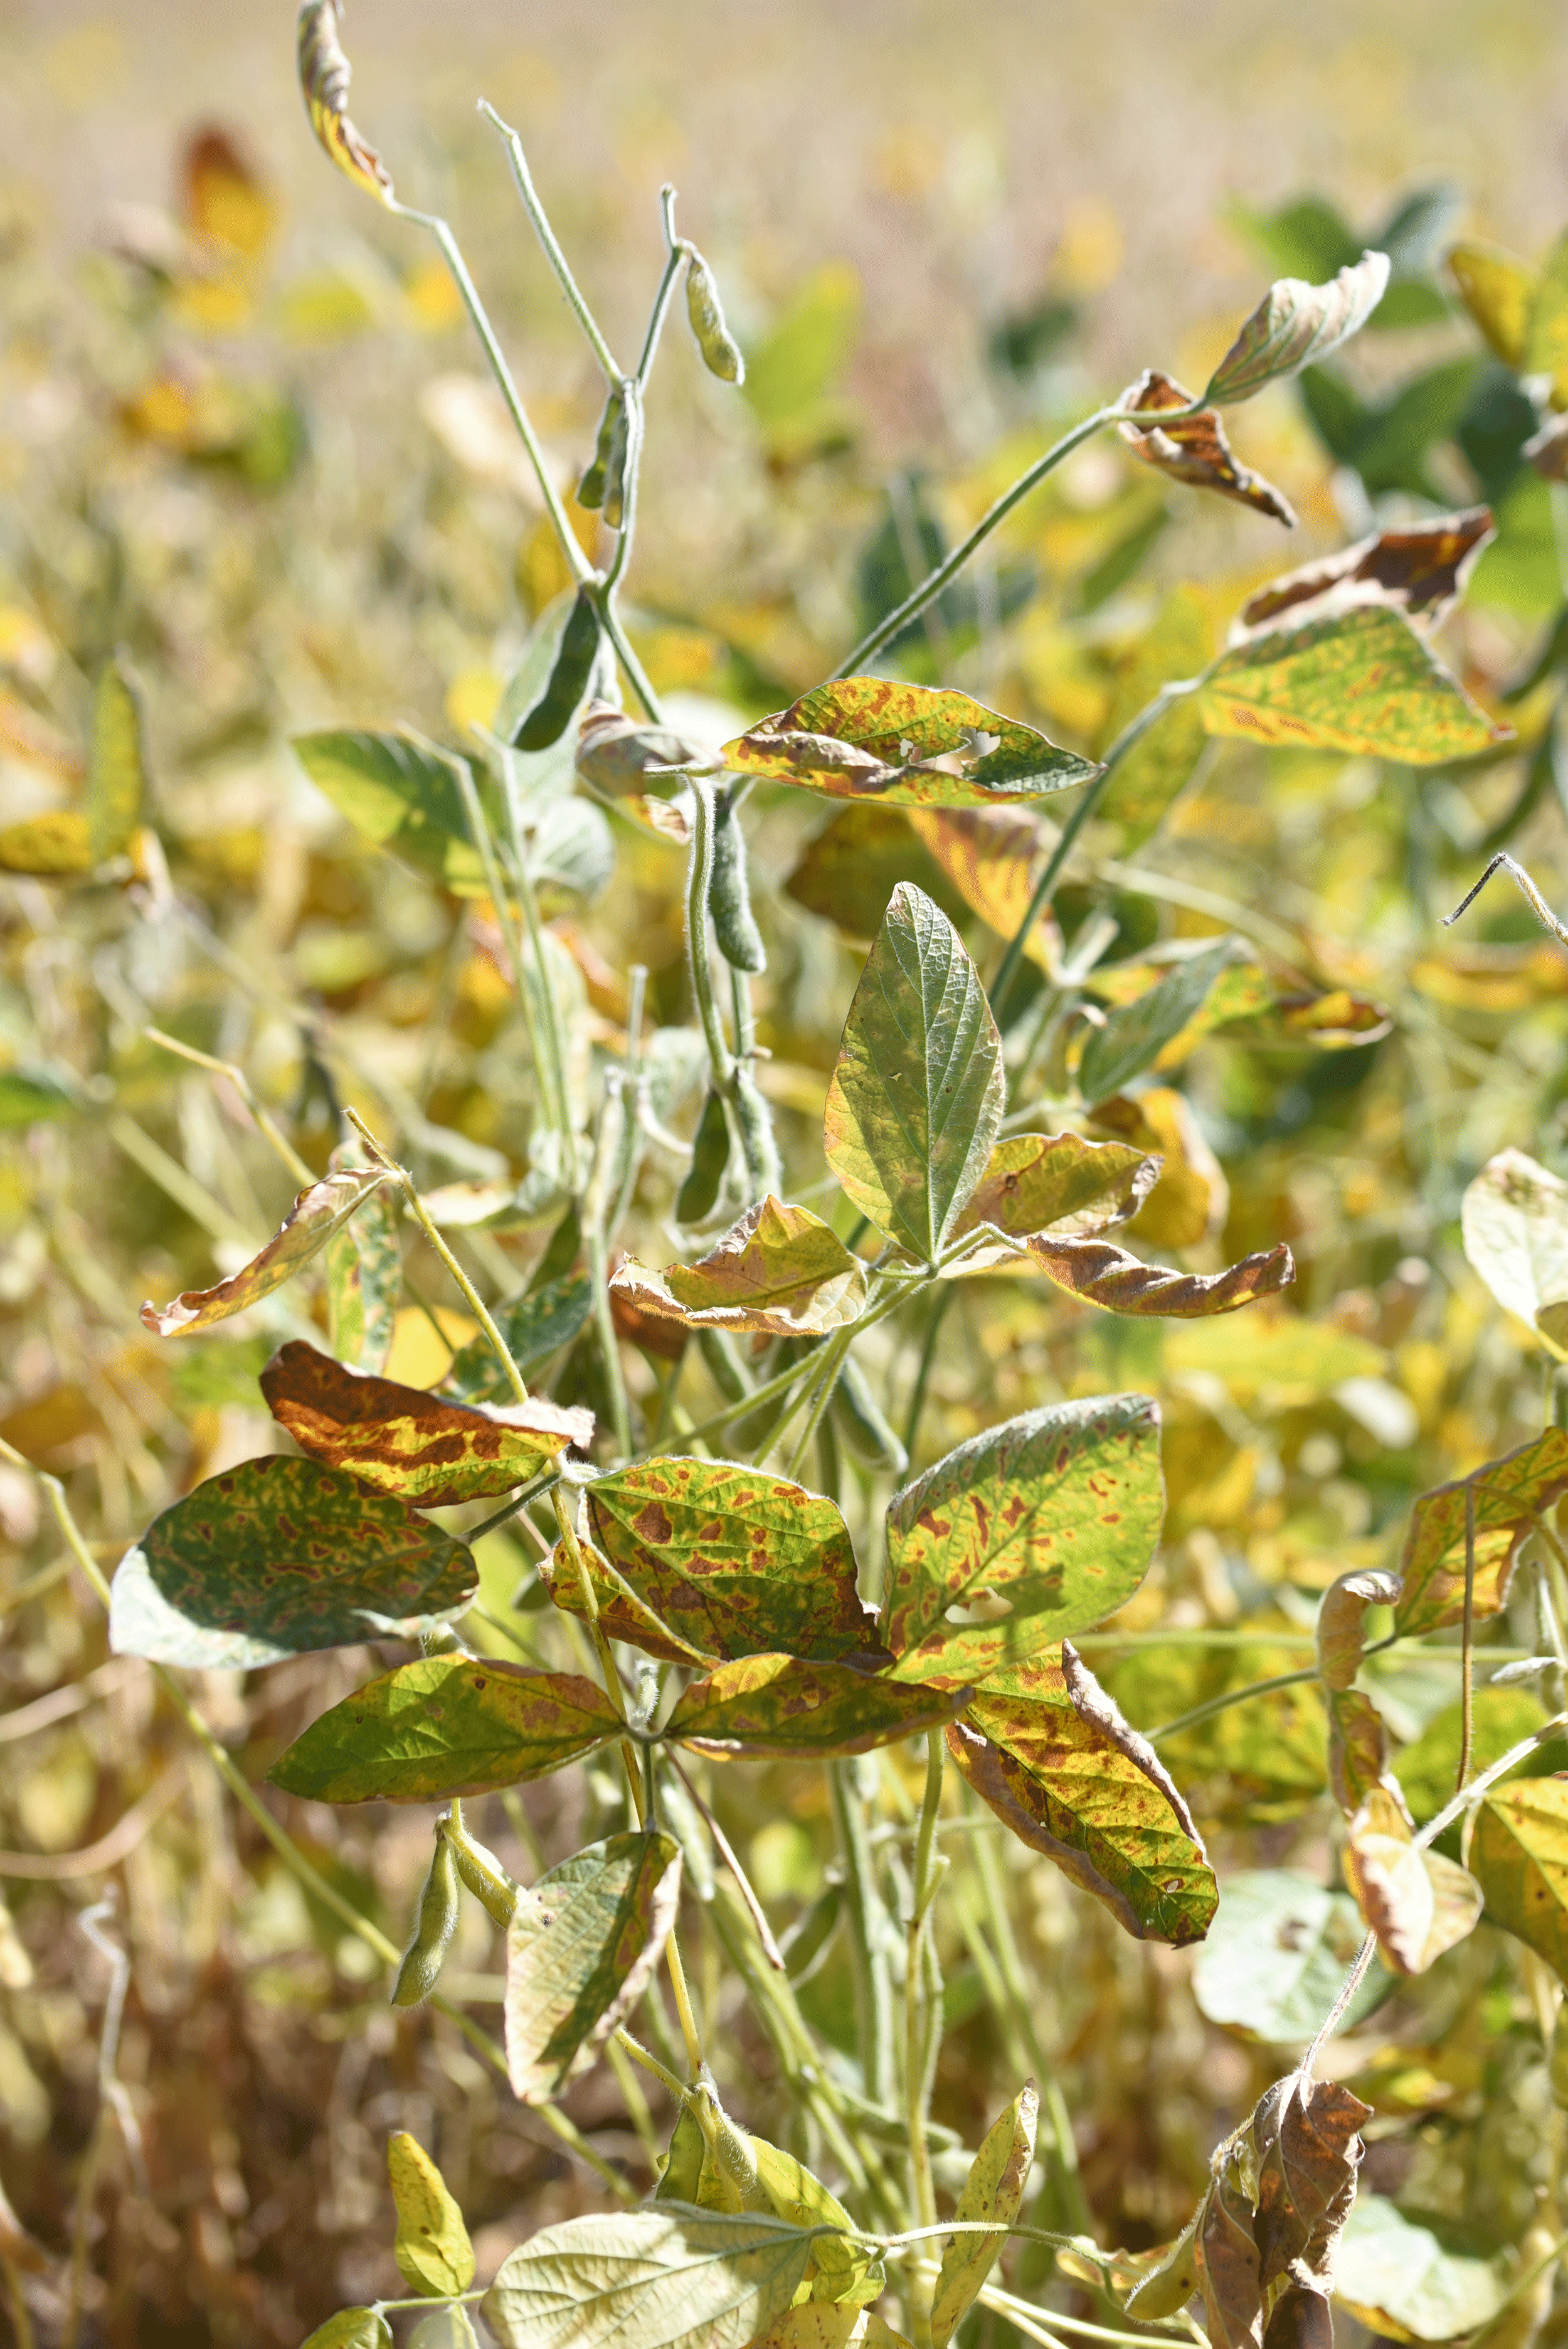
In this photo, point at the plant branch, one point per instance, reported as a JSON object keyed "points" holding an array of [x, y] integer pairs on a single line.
{"points": [[547, 238]]}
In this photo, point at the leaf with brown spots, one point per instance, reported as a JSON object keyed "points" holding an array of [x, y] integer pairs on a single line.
{"points": [[1342, 1621], [402, 1441], [1045, 1747], [582, 1944], [1035, 1530], [1105, 1275], [1422, 570], [1306, 2144], [904, 746], [310, 1223], [1357, 1748], [446, 1725], [778, 1705], [1195, 451], [734, 1560], [277, 1558], [1510, 1495], [1052, 1182], [779, 1270], [993, 2189], [1418, 1903], [1363, 682]]}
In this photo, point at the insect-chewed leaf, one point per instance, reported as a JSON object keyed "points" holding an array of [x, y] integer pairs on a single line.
{"points": [[905, 746], [364, 1279], [1422, 569], [277, 1558], [1514, 1221], [324, 74], [737, 1562], [1519, 1852], [780, 1705], [1342, 1620], [1295, 324], [615, 753], [446, 1725], [919, 1089], [402, 792], [1510, 1495], [1034, 1529], [779, 1269], [305, 1230], [1363, 680], [1357, 1748], [1497, 289], [1418, 1903], [993, 2189], [1404, 2283], [830, 2325], [990, 856], [1105, 1275], [1053, 1182], [352, 2328], [1308, 2149], [1276, 1953], [402, 1441], [1135, 1033], [54, 845], [534, 1326], [1045, 1746], [671, 2278], [581, 1947], [433, 2251], [117, 767], [1195, 451], [840, 2272]]}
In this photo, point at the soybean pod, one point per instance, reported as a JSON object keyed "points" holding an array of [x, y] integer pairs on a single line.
{"points": [[710, 1157], [720, 351], [435, 1923], [730, 892]]}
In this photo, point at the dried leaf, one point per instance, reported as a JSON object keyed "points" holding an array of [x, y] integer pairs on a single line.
{"points": [[305, 1230], [1105, 1275], [1341, 1623], [1226, 2255], [904, 746], [1296, 325], [779, 1705], [781, 1270], [1510, 1493], [1418, 1903], [1052, 1182], [1308, 2149], [670, 2278], [1514, 1221], [1357, 1749], [991, 856], [1422, 569], [1498, 291], [582, 1944], [324, 74], [616, 755], [993, 2189], [1519, 1852], [1195, 451], [1360, 681]]}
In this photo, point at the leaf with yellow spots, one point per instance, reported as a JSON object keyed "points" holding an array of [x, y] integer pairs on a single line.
{"points": [[1056, 1182], [1363, 682], [780, 1270], [904, 746], [781, 1706]]}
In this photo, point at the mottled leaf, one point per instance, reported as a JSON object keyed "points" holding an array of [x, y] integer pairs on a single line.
{"points": [[905, 746], [798, 1711], [1399, 2277], [1195, 451], [1360, 681], [1225, 2252], [535, 1326], [324, 74], [668, 2278], [446, 1725], [1306, 2138], [1052, 1182], [433, 2251], [363, 1267], [1357, 1748], [310, 1223], [1135, 1033], [1033, 1530], [781, 1270], [581, 1945], [990, 856], [1514, 1221], [1418, 1903], [993, 2189], [1103, 1274], [1498, 291], [1296, 325], [1519, 1852], [1048, 1751], [1276, 1954], [277, 1558], [402, 1441], [117, 763], [1510, 1493], [402, 792], [1341, 1623], [1422, 569], [919, 1089]]}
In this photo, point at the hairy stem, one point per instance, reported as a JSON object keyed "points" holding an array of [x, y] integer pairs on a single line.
{"points": [[547, 238]]}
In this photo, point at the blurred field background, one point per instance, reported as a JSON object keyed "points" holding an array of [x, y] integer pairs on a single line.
{"points": [[245, 434]]}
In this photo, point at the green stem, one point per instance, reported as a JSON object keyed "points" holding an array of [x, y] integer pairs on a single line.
{"points": [[923, 2028], [1230, 1696], [549, 1009], [1062, 2154], [547, 238], [676, 255], [833, 1353], [866, 1920], [546, 1074], [913, 1417], [596, 1203]]}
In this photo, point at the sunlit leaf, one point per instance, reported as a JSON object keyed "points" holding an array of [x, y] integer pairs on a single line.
{"points": [[305, 1230], [779, 1705], [1514, 1220], [990, 856], [1510, 1495], [1056, 1182], [1048, 1751], [1341, 1623], [583, 1943], [1105, 1275], [779, 1269], [904, 746], [1498, 291], [1519, 1852], [1416, 1902], [918, 1090], [1296, 323], [433, 2251], [363, 1267], [117, 763], [1024, 1535], [1195, 451], [402, 1441], [1362, 680], [830, 2325], [402, 792], [51, 845], [352, 2328], [535, 1326], [275, 1557], [1398, 2277], [993, 2189], [446, 1725], [840, 2273], [324, 74], [668, 2278], [1357, 1748], [1135, 1033], [1276, 1954], [1422, 569]]}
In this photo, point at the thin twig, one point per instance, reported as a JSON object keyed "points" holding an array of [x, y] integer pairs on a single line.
{"points": [[1467, 1671], [1503, 863]]}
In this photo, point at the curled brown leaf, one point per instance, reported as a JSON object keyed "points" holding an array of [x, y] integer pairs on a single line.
{"points": [[1194, 450], [1421, 569], [310, 1223], [1105, 1275]]}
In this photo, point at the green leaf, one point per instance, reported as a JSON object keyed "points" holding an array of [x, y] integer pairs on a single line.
{"points": [[848, 871], [1361, 682], [735, 1561], [1056, 1183], [433, 2252], [364, 1270], [1342, 1620], [582, 1944], [1136, 1032], [402, 1441], [28, 1096], [402, 792], [446, 1725], [117, 763], [1276, 1954], [1307, 238], [535, 1326], [1398, 2277], [699, 1193], [305, 1230], [277, 1558], [993, 2189], [1045, 1746], [1160, 765], [1296, 324], [840, 2273], [1036, 1528], [790, 373], [1510, 1494], [670, 2278], [1277, 1353], [904, 746], [780, 1270], [352, 2328], [828, 2324], [1498, 291], [919, 1089], [1519, 1851], [53, 845], [571, 853], [1514, 1221], [779, 1705]]}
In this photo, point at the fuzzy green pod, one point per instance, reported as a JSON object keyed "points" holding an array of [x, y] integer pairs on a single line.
{"points": [[551, 715], [720, 351], [710, 1157], [729, 893], [496, 1891], [857, 1417], [435, 1923], [603, 484]]}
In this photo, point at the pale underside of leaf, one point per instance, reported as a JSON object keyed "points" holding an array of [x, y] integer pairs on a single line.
{"points": [[672, 2278], [1295, 324], [1195, 451], [993, 2189], [1105, 1275], [1422, 569], [581, 1945]]}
